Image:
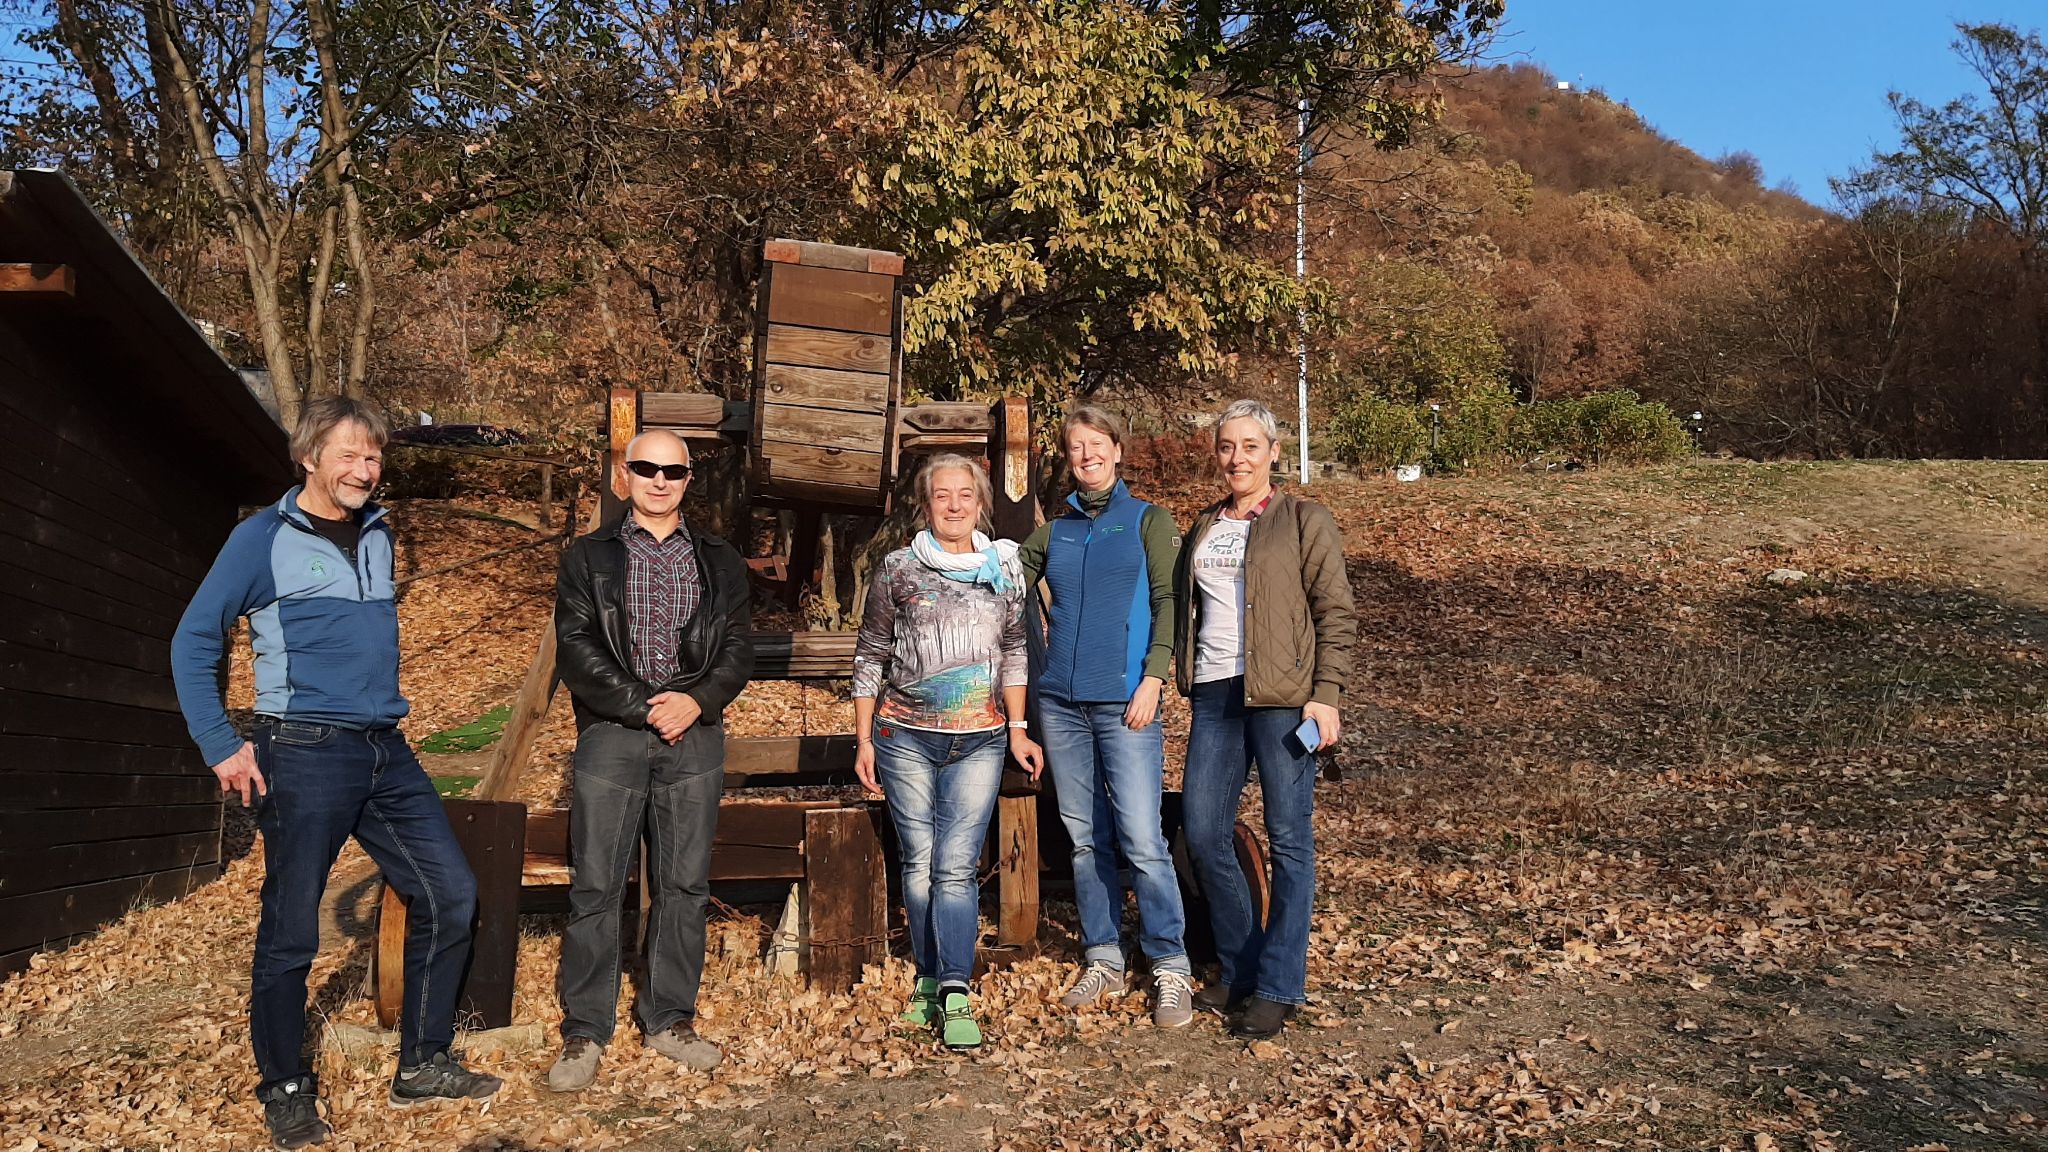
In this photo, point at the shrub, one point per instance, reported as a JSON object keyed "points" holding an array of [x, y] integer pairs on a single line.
{"points": [[1372, 433], [1603, 428], [1477, 429]]}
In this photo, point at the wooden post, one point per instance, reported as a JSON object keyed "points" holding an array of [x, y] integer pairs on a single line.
{"points": [[1017, 870], [493, 839], [622, 423], [547, 497], [847, 904], [387, 974], [1012, 470]]}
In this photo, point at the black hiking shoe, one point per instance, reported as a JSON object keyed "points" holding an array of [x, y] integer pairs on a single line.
{"points": [[291, 1110], [1221, 999], [1262, 1019], [441, 1078]]}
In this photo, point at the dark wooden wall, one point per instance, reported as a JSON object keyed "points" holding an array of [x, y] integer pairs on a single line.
{"points": [[108, 521]]}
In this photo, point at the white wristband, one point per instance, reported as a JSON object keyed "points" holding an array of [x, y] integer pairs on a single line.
{"points": [[1020, 723]]}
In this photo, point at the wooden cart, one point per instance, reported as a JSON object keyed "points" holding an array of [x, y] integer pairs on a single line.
{"points": [[825, 431]]}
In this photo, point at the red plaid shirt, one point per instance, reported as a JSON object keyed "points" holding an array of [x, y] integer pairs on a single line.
{"points": [[662, 592]]}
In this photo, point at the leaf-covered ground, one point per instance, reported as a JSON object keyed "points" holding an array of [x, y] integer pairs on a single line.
{"points": [[1632, 849]]}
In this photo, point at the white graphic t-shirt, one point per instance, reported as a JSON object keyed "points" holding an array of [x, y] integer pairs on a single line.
{"points": [[1219, 577]]}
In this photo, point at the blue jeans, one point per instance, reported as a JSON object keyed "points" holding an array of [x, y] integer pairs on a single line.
{"points": [[1224, 738], [942, 790], [326, 784], [1107, 780]]}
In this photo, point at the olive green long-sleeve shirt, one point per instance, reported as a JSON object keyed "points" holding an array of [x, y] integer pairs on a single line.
{"points": [[1161, 538]]}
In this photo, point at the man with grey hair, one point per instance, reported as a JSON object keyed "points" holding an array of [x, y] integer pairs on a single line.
{"points": [[652, 618], [313, 574]]}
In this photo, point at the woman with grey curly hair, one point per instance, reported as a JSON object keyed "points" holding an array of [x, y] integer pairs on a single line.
{"points": [[939, 676]]}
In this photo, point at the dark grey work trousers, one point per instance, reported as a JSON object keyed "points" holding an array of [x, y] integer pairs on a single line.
{"points": [[627, 779]]}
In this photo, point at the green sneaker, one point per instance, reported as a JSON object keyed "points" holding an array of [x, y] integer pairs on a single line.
{"points": [[959, 1031], [924, 1003]]}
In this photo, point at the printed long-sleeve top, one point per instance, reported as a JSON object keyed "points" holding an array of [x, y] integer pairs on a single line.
{"points": [[936, 652]]}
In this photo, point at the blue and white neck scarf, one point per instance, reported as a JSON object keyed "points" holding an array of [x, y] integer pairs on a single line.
{"points": [[984, 565]]}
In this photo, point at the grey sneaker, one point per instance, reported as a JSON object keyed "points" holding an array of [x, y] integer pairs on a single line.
{"points": [[576, 1067], [1173, 1004], [291, 1111], [1098, 981], [680, 1043], [441, 1078]]}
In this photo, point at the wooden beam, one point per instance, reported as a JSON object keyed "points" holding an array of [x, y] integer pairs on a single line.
{"points": [[38, 281], [1012, 468], [848, 896], [803, 655], [815, 255], [1017, 870]]}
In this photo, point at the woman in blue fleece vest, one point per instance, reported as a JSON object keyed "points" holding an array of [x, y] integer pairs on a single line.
{"points": [[1108, 563]]}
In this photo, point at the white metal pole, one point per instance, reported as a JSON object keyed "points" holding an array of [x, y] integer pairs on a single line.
{"points": [[1301, 279]]}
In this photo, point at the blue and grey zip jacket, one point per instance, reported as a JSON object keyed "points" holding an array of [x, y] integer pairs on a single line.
{"points": [[325, 631]]}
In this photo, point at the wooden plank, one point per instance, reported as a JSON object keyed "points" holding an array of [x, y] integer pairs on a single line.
{"points": [[28, 920], [24, 869], [37, 573], [493, 839], [678, 410], [93, 543], [37, 790], [38, 670], [38, 281], [820, 427], [832, 298], [515, 745], [98, 756], [847, 897], [1016, 870], [48, 829], [773, 756], [40, 714], [18, 960], [817, 255], [387, 963], [803, 655], [61, 628], [827, 388], [945, 416], [547, 832], [34, 456], [52, 434], [812, 348], [852, 473]]}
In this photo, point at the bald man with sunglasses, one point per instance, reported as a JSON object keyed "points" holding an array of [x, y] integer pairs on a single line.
{"points": [[651, 625]]}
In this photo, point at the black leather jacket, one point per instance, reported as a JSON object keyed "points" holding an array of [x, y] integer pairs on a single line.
{"points": [[593, 642]]}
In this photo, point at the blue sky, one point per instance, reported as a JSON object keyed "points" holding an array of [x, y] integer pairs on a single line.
{"points": [[1799, 83]]}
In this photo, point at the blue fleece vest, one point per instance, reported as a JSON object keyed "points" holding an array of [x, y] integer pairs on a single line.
{"points": [[1101, 621]]}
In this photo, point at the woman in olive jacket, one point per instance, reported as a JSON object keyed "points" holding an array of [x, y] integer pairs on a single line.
{"points": [[1264, 643]]}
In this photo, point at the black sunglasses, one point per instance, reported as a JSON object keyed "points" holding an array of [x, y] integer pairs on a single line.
{"points": [[648, 469]]}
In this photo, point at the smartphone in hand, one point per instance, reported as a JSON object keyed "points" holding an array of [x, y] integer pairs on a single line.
{"points": [[1309, 734]]}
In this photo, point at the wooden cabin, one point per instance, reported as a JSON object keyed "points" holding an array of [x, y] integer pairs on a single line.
{"points": [[128, 447]]}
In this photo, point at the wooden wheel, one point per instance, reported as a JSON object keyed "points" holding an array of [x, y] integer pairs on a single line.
{"points": [[387, 961]]}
